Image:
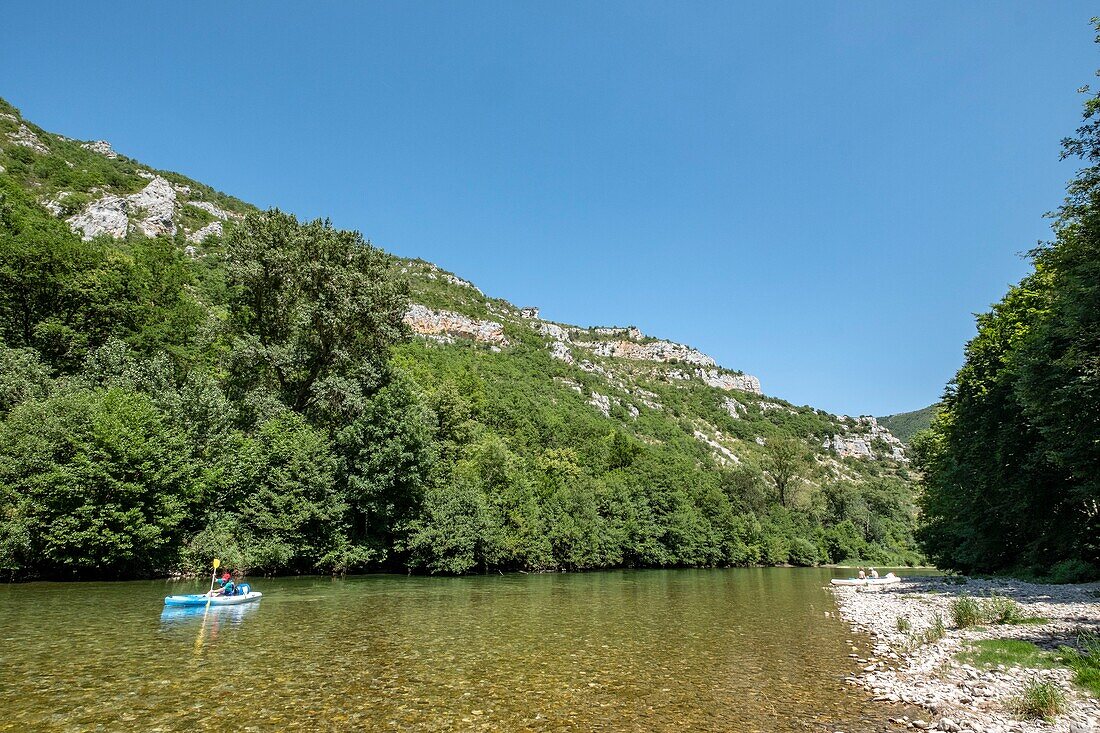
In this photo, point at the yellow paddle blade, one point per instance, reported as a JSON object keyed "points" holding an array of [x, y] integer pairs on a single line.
{"points": [[217, 563]]}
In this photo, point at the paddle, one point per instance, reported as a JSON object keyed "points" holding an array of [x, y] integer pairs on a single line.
{"points": [[217, 564]]}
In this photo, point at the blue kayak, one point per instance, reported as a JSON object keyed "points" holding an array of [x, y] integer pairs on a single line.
{"points": [[201, 599]]}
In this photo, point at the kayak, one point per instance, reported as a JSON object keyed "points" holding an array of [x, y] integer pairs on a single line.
{"points": [[201, 599], [888, 580]]}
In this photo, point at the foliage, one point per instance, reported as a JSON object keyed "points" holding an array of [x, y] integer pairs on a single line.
{"points": [[905, 425], [95, 483], [1012, 460], [1043, 700], [1085, 661], [261, 403], [968, 611], [313, 313], [930, 635]]}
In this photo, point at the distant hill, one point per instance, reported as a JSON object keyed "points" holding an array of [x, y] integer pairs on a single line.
{"points": [[905, 425]]}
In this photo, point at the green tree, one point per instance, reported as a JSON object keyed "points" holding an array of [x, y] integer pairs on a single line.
{"points": [[784, 465], [314, 311], [95, 483]]}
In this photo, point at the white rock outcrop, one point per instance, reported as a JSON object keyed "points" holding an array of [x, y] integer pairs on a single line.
{"points": [[100, 146], [849, 447], [663, 351], [213, 209], [156, 205], [601, 402], [558, 350], [25, 136], [153, 207], [733, 408], [103, 216], [721, 453], [213, 229], [445, 326], [859, 444], [726, 381]]}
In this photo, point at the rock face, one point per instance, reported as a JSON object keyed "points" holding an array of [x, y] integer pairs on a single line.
{"points": [[105, 216], [216, 211], [212, 229], [722, 380], [156, 203], [601, 402], [25, 136], [445, 326], [855, 447], [154, 207], [650, 351], [100, 146], [721, 453], [860, 445]]}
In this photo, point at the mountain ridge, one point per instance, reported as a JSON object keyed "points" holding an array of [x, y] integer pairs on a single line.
{"points": [[666, 398]]}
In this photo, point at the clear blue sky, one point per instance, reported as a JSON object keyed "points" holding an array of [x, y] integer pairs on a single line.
{"points": [[817, 193]]}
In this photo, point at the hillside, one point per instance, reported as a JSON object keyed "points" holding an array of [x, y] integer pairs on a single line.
{"points": [[905, 424], [487, 436]]}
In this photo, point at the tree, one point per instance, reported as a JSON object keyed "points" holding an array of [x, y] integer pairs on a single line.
{"points": [[1012, 461], [94, 482], [314, 311], [784, 465]]}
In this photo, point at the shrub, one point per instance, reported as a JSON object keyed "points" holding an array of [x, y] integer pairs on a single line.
{"points": [[1002, 610], [803, 552], [1039, 700], [1072, 571], [931, 635], [965, 611], [904, 624]]}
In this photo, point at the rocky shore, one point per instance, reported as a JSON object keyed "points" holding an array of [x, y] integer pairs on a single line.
{"points": [[909, 667]]}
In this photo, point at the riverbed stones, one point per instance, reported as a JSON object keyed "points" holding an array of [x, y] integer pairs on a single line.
{"points": [[964, 698]]}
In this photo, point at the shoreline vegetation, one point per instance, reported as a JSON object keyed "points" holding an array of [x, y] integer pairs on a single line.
{"points": [[984, 655], [285, 396]]}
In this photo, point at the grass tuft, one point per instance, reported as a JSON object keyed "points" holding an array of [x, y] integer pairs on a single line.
{"points": [[967, 611], [1086, 661], [1039, 700]]}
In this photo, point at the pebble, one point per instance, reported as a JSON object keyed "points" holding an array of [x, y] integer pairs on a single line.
{"points": [[964, 699]]}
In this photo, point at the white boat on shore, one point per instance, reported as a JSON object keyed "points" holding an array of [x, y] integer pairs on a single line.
{"points": [[888, 579]]}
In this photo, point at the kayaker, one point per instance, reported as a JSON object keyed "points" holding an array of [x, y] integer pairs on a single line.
{"points": [[228, 587], [874, 574], [862, 575]]}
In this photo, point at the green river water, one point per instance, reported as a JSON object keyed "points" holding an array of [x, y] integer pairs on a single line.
{"points": [[663, 650]]}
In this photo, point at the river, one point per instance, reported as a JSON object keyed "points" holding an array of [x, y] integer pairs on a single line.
{"points": [[757, 649]]}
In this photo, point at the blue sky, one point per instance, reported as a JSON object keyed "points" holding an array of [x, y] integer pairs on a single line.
{"points": [[817, 193]]}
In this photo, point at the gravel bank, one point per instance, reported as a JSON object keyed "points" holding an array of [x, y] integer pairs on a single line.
{"points": [[957, 696]]}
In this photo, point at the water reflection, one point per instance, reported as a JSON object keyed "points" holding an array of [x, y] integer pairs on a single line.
{"points": [[724, 650], [178, 615]]}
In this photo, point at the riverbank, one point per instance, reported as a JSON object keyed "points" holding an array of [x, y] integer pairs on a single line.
{"points": [[910, 665]]}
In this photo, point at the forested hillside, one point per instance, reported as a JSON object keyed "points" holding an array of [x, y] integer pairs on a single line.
{"points": [[905, 425], [1013, 457], [183, 376]]}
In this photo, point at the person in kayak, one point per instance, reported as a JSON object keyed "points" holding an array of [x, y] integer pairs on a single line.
{"points": [[228, 587]]}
